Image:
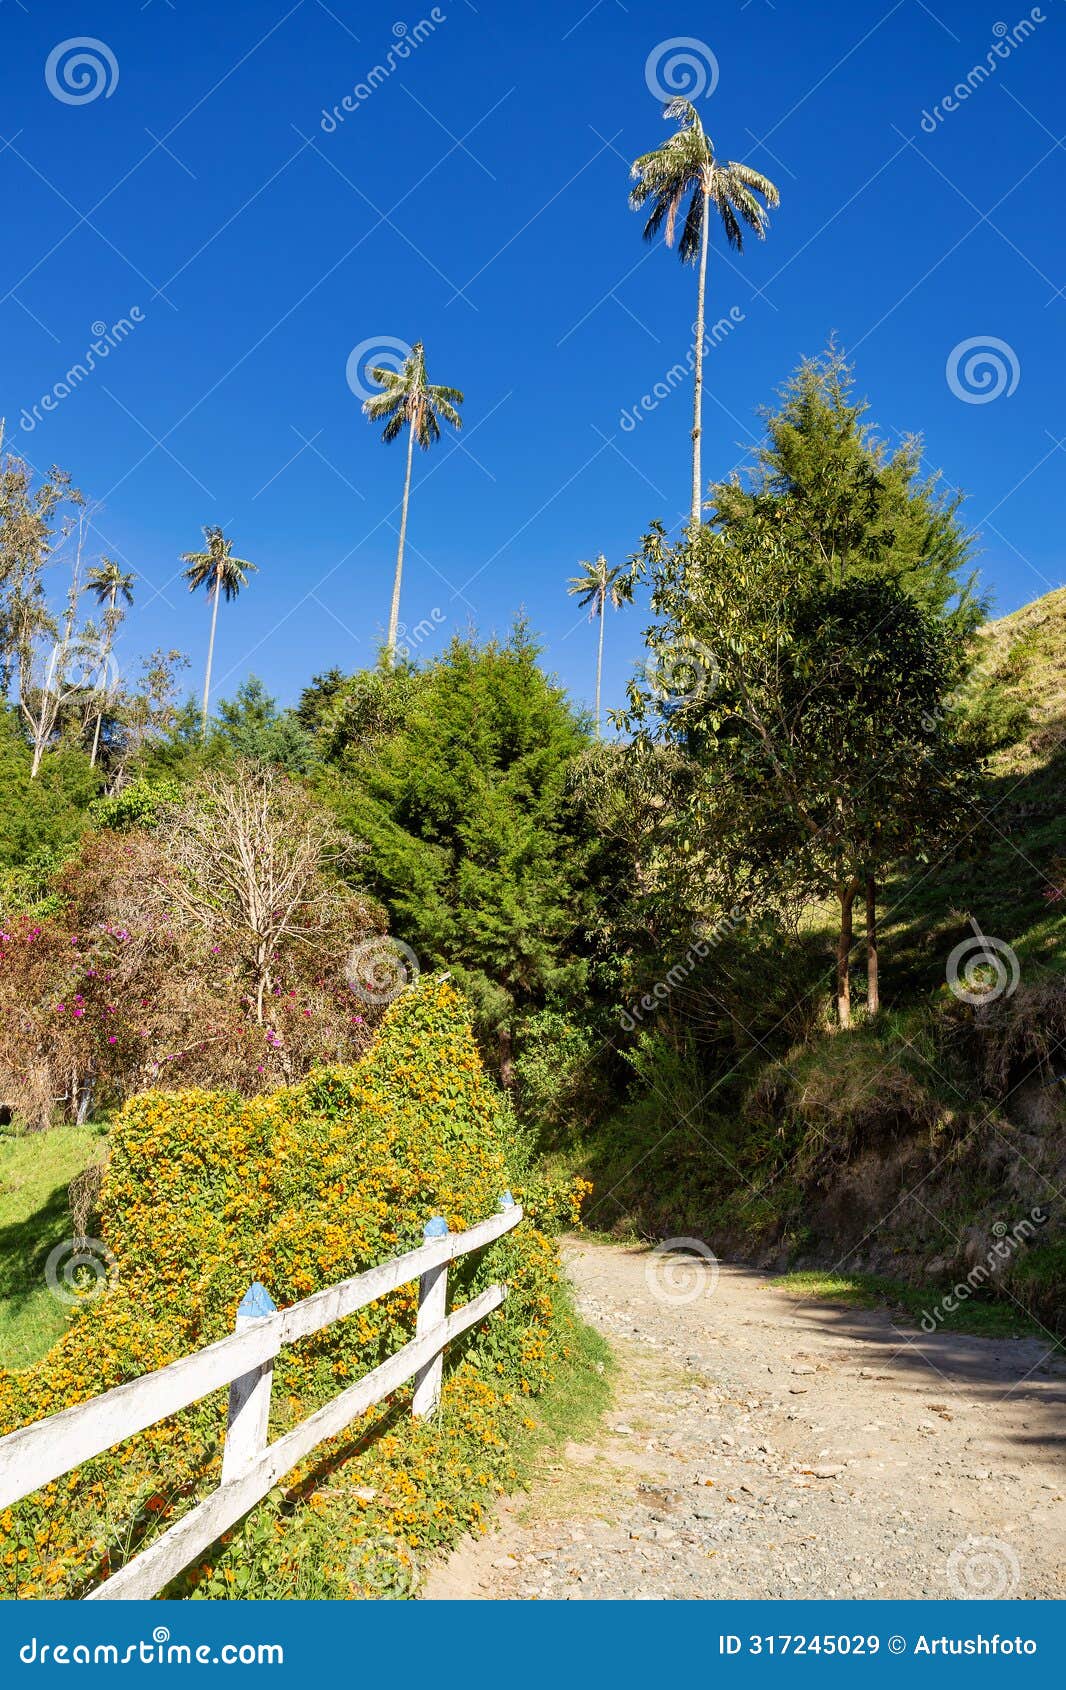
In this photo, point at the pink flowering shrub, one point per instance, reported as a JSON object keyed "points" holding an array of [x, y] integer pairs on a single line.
{"points": [[111, 995]]}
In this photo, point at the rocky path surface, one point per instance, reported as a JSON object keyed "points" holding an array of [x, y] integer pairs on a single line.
{"points": [[762, 1447]]}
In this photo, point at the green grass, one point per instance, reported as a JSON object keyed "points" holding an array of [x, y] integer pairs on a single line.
{"points": [[571, 1406], [35, 1170], [984, 1319]]}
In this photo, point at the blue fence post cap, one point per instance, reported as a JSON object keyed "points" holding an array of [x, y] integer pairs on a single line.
{"points": [[435, 1228], [256, 1303], [507, 1201]]}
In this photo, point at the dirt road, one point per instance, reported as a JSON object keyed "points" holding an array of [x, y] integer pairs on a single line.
{"points": [[763, 1447]]}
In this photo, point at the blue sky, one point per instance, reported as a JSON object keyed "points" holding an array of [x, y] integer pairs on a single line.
{"points": [[477, 200]]}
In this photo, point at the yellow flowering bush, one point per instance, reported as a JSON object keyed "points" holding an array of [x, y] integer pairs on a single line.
{"points": [[206, 1192]]}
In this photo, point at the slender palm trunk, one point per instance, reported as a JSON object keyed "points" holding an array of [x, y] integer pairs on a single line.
{"points": [[216, 594], [599, 666], [394, 612], [105, 653], [697, 398]]}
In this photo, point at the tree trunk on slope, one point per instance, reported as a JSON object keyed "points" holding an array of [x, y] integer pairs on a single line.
{"points": [[873, 985], [847, 906]]}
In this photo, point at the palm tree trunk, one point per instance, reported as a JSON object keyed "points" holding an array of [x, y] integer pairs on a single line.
{"points": [[105, 653], [216, 594], [697, 399], [394, 611], [599, 666]]}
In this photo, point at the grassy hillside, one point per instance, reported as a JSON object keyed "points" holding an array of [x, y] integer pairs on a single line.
{"points": [[1012, 858]]}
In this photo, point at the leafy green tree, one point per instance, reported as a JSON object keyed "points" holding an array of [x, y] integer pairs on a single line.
{"points": [[684, 168], [595, 588], [409, 400], [222, 574], [252, 727], [833, 492], [820, 719], [473, 842]]}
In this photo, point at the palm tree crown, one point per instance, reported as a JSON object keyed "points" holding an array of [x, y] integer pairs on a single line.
{"points": [[223, 575], [597, 586], [408, 397], [108, 583], [686, 165], [685, 168], [217, 567], [409, 400]]}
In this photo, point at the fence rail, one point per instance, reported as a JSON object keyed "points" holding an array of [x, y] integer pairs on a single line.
{"points": [[45, 1450]]}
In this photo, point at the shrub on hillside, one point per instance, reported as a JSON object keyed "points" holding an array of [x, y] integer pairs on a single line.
{"points": [[114, 986], [207, 1192]]}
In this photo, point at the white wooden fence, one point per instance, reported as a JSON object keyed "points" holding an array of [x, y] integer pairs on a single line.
{"points": [[45, 1450]]}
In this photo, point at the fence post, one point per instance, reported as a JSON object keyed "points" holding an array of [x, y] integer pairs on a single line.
{"points": [[432, 1303], [249, 1395]]}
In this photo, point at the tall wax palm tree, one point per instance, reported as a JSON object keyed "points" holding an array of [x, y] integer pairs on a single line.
{"points": [[221, 573], [408, 400], [108, 584], [685, 167], [598, 586]]}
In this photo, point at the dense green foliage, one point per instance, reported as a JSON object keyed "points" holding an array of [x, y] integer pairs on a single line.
{"points": [[456, 780]]}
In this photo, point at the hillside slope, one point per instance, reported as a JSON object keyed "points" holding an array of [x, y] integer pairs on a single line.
{"points": [[914, 1145]]}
